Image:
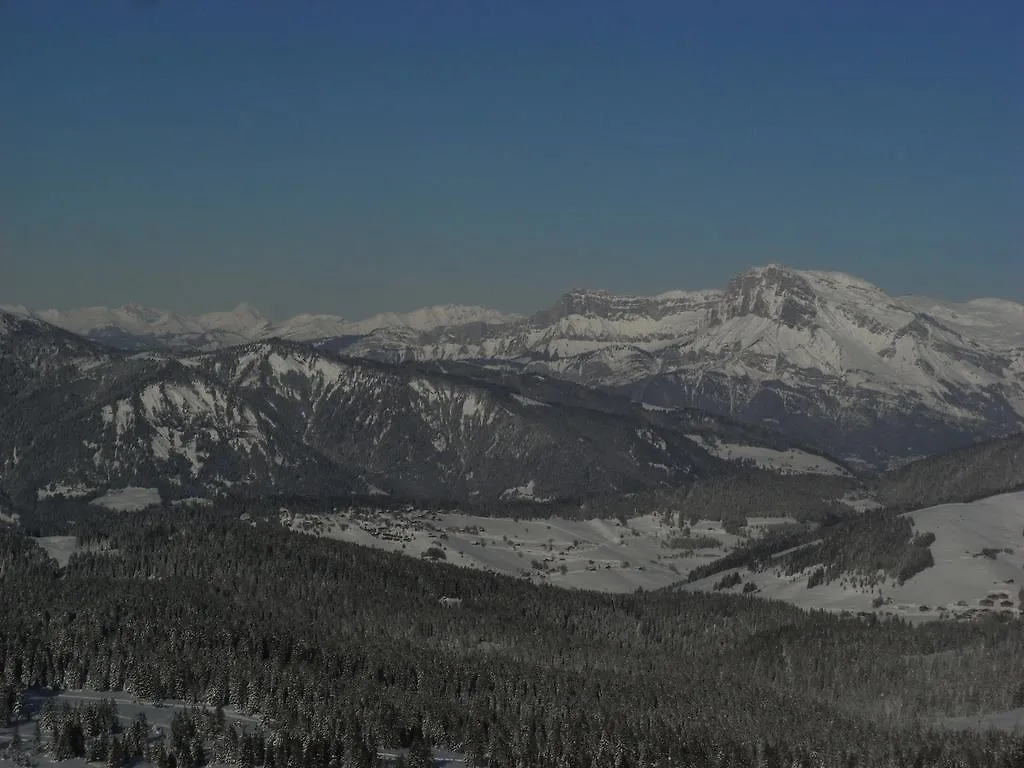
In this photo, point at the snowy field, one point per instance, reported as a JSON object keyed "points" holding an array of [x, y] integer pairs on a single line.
{"points": [[1011, 720], [63, 489], [129, 499], [60, 548], [442, 758], [129, 707], [788, 462], [979, 568], [601, 555]]}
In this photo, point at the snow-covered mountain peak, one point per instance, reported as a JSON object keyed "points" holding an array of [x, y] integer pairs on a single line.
{"points": [[135, 309], [839, 281], [309, 327], [997, 323], [134, 326], [829, 357], [781, 278], [430, 318], [805, 298], [243, 320], [999, 305]]}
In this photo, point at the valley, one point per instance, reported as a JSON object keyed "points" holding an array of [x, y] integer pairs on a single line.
{"points": [[601, 555]]}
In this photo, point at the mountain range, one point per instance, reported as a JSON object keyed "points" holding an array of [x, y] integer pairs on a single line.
{"points": [[135, 327], [825, 358], [281, 417], [599, 393]]}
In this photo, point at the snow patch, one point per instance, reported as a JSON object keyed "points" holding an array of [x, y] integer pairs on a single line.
{"points": [[63, 489], [529, 401], [128, 499], [472, 406], [520, 491], [789, 462], [60, 548]]}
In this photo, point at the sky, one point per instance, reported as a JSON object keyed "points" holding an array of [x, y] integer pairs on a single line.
{"points": [[356, 157]]}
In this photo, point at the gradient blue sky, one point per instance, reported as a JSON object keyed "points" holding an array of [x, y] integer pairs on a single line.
{"points": [[352, 157]]}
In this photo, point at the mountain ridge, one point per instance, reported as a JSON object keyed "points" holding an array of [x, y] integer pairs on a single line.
{"points": [[826, 357], [134, 326], [281, 417]]}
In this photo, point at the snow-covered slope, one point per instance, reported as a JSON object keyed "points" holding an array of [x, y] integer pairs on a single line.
{"points": [[996, 323], [791, 461], [979, 565], [429, 318]]}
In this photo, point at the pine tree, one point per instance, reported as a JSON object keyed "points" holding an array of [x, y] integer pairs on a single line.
{"points": [[420, 755], [115, 755]]}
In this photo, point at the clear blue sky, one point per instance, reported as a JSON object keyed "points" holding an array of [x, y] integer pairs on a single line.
{"points": [[352, 157]]}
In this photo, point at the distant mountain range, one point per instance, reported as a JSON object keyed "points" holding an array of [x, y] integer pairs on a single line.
{"points": [[825, 359], [134, 327]]}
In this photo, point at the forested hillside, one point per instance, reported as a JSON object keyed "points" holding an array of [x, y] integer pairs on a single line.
{"points": [[970, 473], [334, 643], [867, 548]]}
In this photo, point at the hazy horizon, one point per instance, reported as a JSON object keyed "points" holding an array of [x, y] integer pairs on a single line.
{"points": [[523, 311], [352, 159]]}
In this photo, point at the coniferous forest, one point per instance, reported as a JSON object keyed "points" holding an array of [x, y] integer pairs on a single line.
{"points": [[342, 651]]}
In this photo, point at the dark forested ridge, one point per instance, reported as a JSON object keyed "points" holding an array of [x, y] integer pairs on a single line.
{"points": [[337, 645], [980, 470]]}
